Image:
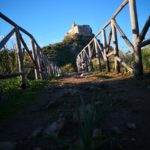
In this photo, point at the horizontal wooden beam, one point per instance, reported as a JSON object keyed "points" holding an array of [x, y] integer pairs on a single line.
{"points": [[6, 38], [6, 76]]}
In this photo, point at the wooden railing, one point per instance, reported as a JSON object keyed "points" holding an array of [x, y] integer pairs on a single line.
{"points": [[42, 66], [103, 50]]}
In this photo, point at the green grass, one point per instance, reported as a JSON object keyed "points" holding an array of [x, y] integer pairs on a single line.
{"points": [[13, 99]]}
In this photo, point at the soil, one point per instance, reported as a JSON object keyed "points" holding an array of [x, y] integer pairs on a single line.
{"points": [[123, 106]]}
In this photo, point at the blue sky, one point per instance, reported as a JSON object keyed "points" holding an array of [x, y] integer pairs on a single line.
{"points": [[49, 20]]}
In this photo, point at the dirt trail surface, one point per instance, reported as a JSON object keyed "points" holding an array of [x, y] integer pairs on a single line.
{"points": [[122, 104]]}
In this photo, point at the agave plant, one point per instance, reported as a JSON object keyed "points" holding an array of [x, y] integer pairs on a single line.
{"points": [[86, 117]]}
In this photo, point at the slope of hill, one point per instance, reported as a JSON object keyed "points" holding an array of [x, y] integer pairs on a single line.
{"points": [[65, 52]]}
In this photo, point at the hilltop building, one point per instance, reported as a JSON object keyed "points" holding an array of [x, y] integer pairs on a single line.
{"points": [[84, 30]]}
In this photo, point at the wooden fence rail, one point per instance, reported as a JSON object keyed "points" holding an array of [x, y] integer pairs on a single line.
{"points": [[42, 66], [103, 50]]}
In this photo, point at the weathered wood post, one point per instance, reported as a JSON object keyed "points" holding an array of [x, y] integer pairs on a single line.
{"points": [[138, 68], [90, 57], [105, 49], [20, 58], [78, 63], [39, 62], [98, 55], [34, 54], [115, 43], [85, 58]]}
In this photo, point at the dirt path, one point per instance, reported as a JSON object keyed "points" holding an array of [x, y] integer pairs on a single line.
{"points": [[126, 103]]}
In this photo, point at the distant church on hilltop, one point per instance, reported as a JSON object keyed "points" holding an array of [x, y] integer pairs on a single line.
{"points": [[84, 30]]}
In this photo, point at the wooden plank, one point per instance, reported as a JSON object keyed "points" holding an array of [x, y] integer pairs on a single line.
{"points": [[20, 57], [100, 48], [87, 45], [90, 57], [144, 31], [125, 2], [109, 40], [115, 45], [129, 44], [144, 43], [34, 54], [111, 53], [39, 62], [98, 55], [14, 24], [114, 16], [89, 51], [27, 49], [45, 65], [6, 76], [138, 69], [86, 54], [124, 64], [104, 49], [6, 38]]}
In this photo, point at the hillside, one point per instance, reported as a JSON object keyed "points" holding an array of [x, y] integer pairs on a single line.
{"points": [[65, 52]]}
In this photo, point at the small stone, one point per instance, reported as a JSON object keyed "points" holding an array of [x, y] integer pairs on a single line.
{"points": [[7, 145], [97, 133], [131, 126], [36, 132], [55, 127], [84, 74]]}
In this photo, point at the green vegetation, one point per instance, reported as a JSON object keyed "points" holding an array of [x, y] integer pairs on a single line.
{"points": [[14, 99], [8, 61], [65, 52], [87, 116], [128, 57], [146, 57], [67, 68]]}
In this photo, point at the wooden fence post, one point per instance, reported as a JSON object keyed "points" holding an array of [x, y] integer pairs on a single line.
{"points": [[138, 68], [90, 57], [34, 54], [39, 62], [105, 49], [20, 58], [98, 56], [115, 43]]}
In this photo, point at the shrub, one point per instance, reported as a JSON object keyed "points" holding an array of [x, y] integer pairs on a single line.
{"points": [[67, 68]]}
